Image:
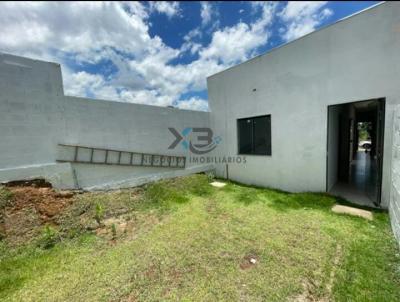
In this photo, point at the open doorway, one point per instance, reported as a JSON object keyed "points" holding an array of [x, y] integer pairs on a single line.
{"points": [[355, 151]]}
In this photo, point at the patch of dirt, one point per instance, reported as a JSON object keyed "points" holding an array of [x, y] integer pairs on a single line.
{"points": [[26, 207], [308, 292], [125, 227], [153, 272], [309, 287], [130, 298], [249, 261], [336, 262], [114, 227], [44, 201], [33, 204], [215, 211]]}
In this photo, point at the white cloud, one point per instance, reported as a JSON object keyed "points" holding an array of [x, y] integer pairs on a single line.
{"points": [[205, 12], [75, 34], [233, 44], [148, 97], [302, 17], [210, 16], [189, 44], [85, 84], [193, 103], [194, 33], [94, 32], [81, 83], [84, 29], [170, 8]]}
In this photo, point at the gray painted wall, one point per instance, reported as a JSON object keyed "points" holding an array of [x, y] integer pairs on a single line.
{"points": [[394, 207], [35, 117], [355, 59], [123, 126], [30, 111]]}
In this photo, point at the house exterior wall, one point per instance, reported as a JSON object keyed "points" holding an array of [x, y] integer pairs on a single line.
{"points": [[355, 59], [36, 116], [394, 207]]}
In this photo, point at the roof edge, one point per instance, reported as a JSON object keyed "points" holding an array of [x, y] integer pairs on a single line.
{"points": [[295, 40]]}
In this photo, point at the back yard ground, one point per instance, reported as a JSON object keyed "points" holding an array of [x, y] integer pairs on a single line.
{"points": [[184, 240]]}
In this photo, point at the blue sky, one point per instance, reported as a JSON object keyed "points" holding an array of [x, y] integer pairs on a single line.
{"points": [[156, 53]]}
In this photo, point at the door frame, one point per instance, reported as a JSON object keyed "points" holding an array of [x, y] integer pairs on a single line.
{"points": [[380, 154], [381, 120]]}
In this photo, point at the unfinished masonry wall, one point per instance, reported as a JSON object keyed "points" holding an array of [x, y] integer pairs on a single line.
{"points": [[394, 207], [36, 116]]}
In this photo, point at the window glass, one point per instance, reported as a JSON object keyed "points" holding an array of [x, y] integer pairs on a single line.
{"points": [[254, 135], [245, 136]]}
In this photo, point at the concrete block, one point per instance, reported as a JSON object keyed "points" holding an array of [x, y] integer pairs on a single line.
{"points": [[352, 211], [218, 184]]}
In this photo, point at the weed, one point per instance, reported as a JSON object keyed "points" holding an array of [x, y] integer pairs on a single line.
{"points": [[5, 197], [49, 237], [114, 231], [210, 176], [99, 213]]}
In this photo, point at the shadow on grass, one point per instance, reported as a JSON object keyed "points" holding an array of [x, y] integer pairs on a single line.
{"points": [[302, 201], [167, 194], [279, 200], [284, 201], [241, 185], [248, 194]]}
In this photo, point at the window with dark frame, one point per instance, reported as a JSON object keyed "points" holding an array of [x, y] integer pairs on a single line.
{"points": [[254, 135]]}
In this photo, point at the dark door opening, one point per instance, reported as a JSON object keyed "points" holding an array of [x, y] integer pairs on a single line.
{"points": [[355, 151]]}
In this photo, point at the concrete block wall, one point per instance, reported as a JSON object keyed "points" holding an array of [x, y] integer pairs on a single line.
{"points": [[394, 206], [30, 111], [125, 127], [36, 116]]}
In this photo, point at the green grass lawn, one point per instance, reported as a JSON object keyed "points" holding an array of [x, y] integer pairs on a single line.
{"points": [[188, 241]]}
